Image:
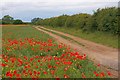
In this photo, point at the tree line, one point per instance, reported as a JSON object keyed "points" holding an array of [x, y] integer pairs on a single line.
{"points": [[7, 19], [104, 20]]}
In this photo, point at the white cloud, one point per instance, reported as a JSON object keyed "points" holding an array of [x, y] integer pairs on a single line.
{"points": [[53, 5], [59, 1], [48, 8]]}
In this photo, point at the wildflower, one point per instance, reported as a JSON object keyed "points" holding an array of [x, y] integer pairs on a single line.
{"points": [[6, 60], [15, 72], [36, 66], [49, 66], [35, 72], [66, 76], [109, 73], [8, 74], [8, 49], [25, 57], [24, 71], [45, 72], [57, 62], [12, 60], [20, 61], [83, 75], [27, 66], [50, 44], [52, 72], [102, 74], [59, 46], [96, 74], [84, 56], [57, 78], [65, 69], [31, 59], [50, 40], [30, 72], [67, 63], [3, 65], [18, 75], [38, 72], [98, 65]]}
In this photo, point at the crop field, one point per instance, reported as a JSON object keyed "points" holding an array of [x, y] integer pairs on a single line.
{"points": [[29, 53]]}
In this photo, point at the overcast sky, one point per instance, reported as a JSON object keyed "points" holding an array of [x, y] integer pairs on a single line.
{"points": [[28, 9]]}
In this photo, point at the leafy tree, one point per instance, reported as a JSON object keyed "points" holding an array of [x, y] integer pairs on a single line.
{"points": [[18, 21], [35, 20], [7, 19]]}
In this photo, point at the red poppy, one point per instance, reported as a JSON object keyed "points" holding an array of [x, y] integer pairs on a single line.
{"points": [[3, 65], [83, 75], [31, 59], [109, 73], [57, 62], [8, 48], [50, 40], [52, 72], [35, 72], [24, 71], [30, 72], [12, 60], [8, 74], [96, 74], [6, 60], [38, 72], [66, 76], [18, 75], [102, 74], [98, 65], [18, 79], [45, 72], [49, 66], [50, 44], [65, 69], [25, 57], [67, 63], [20, 61], [36, 66], [57, 78], [15, 72]]}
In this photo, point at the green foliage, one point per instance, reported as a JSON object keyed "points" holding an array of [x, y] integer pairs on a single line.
{"points": [[10, 20], [0, 21], [107, 20], [7, 19], [35, 20], [103, 20], [17, 21]]}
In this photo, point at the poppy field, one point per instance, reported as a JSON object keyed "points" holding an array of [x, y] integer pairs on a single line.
{"points": [[28, 53]]}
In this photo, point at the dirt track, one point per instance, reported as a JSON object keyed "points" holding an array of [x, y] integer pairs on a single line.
{"points": [[106, 56]]}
